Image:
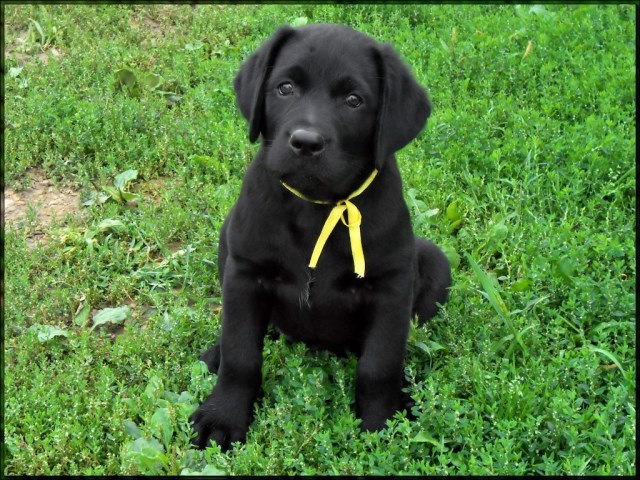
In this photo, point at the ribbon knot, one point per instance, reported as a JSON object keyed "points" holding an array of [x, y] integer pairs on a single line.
{"points": [[354, 216], [352, 222]]}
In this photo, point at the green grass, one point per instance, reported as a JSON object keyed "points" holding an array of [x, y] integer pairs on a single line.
{"points": [[529, 160]]}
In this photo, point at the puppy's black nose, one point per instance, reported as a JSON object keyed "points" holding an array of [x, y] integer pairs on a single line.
{"points": [[306, 142]]}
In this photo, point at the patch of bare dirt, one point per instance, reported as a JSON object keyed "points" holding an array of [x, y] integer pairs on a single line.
{"points": [[26, 54], [44, 56], [155, 187], [48, 202], [17, 47]]}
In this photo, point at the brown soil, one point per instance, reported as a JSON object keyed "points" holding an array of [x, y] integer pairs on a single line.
{"points": [[47, 200]]}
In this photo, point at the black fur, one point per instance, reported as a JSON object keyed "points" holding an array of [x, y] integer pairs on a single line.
{"points": [[267, 239]]}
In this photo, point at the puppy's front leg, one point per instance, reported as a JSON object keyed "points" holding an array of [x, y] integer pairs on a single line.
{"points": [[225, 414], [381, 363]]}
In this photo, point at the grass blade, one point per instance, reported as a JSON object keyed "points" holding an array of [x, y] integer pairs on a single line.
{"points": [[494, 299], [610, 356]]}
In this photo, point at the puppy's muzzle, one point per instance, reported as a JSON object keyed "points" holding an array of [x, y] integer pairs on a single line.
{"points": [[306, 142]]}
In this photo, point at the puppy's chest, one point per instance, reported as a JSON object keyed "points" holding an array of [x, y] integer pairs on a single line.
{"points": [[313, 290], [287, 248], [320, 308], [322, 304]]}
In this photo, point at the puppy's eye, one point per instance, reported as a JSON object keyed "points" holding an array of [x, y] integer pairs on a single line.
{"points": [[354, 100], [285, 89]]}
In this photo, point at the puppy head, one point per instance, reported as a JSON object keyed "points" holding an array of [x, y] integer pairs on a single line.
{"points": [[331, 105]]}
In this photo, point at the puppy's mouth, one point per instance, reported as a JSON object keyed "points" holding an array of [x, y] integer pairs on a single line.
{"points": [[329, 176]]}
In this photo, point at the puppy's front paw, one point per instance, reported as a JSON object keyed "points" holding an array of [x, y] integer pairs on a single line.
{"points": [[375, 417], [373, 424], [221, 420]]}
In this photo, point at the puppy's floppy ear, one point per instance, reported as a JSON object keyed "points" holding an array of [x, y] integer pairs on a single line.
{"points": [[404, 106], [250, 81]]}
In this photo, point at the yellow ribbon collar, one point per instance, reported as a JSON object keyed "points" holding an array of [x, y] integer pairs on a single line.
{"points": [[353, 221]]}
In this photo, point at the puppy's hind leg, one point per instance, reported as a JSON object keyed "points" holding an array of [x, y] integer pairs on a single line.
{"points": [[211, 357], [433, 279]]}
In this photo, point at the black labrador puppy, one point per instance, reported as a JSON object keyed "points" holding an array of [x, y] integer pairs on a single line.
{"points": [[320, 244]]}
